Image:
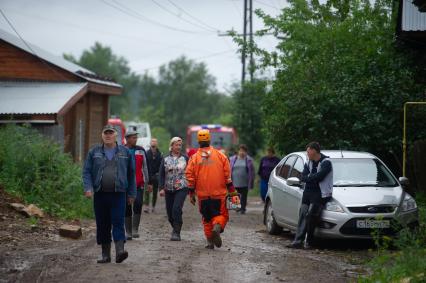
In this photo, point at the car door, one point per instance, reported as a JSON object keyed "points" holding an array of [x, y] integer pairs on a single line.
{"points": [[274, 185], [294, 194], [281, 197]]}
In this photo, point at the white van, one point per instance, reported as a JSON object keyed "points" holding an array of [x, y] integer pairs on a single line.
{"points": [[143, 130]]}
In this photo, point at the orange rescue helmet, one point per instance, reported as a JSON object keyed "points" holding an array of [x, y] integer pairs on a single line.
{"points": [[203, 135]]}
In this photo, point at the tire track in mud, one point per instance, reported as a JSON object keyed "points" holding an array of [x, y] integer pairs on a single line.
{"points": [[248, 254]]}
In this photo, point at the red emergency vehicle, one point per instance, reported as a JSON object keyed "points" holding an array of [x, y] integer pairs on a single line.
{"points": [[222, 137]]}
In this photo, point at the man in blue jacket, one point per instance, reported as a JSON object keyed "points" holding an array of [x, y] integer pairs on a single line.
{"points": [[108, 174], [318, 178]]}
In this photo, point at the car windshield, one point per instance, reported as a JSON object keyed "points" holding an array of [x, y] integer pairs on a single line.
{"points": [[361, 172]]}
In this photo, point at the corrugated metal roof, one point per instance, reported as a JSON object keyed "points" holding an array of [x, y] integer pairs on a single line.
{"points": [[36, 98], [412, 18], [56, 60]]}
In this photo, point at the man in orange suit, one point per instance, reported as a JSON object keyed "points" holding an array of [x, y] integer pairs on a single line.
{"points": [[209, 178]]}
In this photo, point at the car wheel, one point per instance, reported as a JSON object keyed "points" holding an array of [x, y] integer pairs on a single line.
{"points": [[271, 224]]}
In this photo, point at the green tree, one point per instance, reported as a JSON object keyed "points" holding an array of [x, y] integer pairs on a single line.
{"points": [[184, 93], [187, 92], [340, 79], [101, 60], [247, 114], [163, 137]]}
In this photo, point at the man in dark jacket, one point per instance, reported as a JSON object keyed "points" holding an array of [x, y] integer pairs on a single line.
{"points": [[109, 177], [154, 158], [318, 178]]}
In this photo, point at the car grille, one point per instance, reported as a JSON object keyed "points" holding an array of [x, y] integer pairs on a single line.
{"points": [[349, 228], [372, 209]]}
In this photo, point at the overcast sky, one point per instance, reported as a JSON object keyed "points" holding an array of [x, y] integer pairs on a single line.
{"points": [[148, 33]]}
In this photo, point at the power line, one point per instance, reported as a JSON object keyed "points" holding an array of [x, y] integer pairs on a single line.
{"points": [[194, 59], [267, 4], [140, 17], [191, 16], [178, 16], [91, 29], [30, 48]]}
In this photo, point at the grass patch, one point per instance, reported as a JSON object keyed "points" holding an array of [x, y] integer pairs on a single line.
{"points": [[34, 168], [402, 259]]}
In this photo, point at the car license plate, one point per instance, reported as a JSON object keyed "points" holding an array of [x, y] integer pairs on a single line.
{"points": [[372, 224]]}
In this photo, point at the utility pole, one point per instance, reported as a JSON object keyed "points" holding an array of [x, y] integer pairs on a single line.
{"points": [[248, 20]]}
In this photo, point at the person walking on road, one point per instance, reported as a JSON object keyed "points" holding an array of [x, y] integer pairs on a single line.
{"points": [[242, 169], [209, 179], [133, 213], [318, 178], [266, 165], [109, 177], [173, 185], [154, 160]]}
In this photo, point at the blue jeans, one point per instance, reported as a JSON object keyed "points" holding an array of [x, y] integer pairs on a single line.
{"points": [[109, 212], [263, 188]]}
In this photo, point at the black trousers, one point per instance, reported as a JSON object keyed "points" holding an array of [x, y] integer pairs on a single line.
{"points": [[174, 205], [243, 192], [109, 212], [309, 215], [137, 205]]}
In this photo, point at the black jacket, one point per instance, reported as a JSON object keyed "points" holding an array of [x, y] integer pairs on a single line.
{"points": [[153, 164]]}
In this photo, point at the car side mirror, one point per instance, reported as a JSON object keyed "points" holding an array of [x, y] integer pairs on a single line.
{"points": [[404, 181], [293, 181]]}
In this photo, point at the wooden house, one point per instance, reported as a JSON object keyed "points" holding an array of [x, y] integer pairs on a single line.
{"points": [[62, 100]]}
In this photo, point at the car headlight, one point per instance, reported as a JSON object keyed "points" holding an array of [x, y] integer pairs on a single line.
{"points": [[408, 204], [333, 206]]}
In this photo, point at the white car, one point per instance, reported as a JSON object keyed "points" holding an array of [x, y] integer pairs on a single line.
{"points": [[366, 197]]}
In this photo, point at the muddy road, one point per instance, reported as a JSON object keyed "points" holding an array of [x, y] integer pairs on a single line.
{"points": [[248, 254]]}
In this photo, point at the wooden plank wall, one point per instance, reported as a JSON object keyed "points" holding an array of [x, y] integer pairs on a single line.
{"points": [[98, 117], [16, 64]]}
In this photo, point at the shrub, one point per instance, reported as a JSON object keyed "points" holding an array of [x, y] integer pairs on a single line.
{"points": [[35, 169], [407, 262]]}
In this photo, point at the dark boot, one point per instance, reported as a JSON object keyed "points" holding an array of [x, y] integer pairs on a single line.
{"points": [[106, 253], [217, 240], [210, 244], [136, 221], [128, 224], [295, 245], [120, 253], [176, 232]]}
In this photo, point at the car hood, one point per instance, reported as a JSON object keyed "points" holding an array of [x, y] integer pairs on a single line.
{"points": [[361, 196]]}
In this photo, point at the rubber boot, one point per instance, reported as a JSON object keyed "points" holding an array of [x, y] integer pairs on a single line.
{"points": [[106, 253], [128, 224], [217, 240], [136, 221], [120, 253], [176, 232], [210, 244]]}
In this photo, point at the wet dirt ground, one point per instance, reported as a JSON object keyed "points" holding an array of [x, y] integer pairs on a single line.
{"points": [[249, 254]]}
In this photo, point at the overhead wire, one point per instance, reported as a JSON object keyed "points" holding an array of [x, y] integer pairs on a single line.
{"points": [[194, 59], [180, 45], [191, 16], [134, 14], [179, 17], [266, 4]]}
